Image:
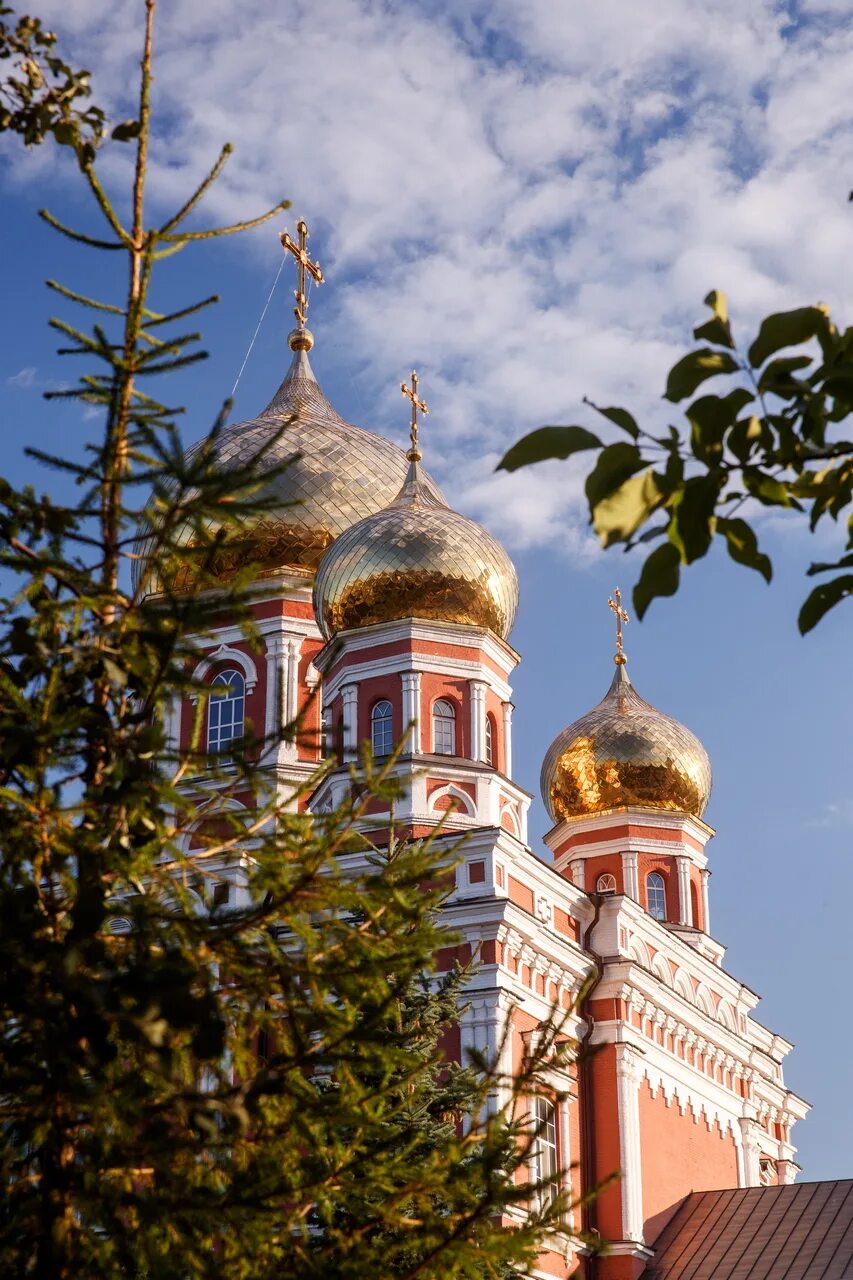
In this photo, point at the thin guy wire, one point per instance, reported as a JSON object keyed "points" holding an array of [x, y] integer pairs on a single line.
{"points": [[258, 329]]}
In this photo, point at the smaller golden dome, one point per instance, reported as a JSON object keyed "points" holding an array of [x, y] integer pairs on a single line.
{"points": [[416, 559], [625, 753]]}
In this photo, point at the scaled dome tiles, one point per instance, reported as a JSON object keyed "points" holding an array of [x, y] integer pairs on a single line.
{"points": [[416, 559], [336, 475], [625, 753]]}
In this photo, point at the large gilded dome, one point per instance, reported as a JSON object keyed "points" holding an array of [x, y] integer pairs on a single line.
{"points": [[338, 474], [625, 752], [416, 559]]}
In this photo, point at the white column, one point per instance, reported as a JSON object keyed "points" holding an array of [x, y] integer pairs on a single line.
{"points": [[291, 708], [751, 1164], [477, 693], [579, 873], [630, 875], [706, 909], [507, 706], [685, 906], [349, 696], [276, 649], [628, 1074], [412, 708]]}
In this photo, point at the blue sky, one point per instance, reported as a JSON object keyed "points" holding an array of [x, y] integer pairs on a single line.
{"points": [[528, 203]]}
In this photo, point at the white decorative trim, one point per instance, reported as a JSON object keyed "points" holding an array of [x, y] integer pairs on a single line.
{"points": [[396, 664], [457, 794], [225, 653]]}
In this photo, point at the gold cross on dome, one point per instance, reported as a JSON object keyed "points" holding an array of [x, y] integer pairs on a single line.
{"points": [[615, 603], [414, 453], [299, 249]]}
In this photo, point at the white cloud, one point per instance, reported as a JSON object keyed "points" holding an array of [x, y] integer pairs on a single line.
{"points": [[527, 202], [23, 379]]}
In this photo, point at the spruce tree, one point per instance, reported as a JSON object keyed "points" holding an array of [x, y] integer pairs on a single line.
{"points": [[193, 1087]]}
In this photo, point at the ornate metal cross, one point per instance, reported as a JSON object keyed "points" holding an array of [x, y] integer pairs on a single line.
{"points": [[615, 603], [412, 392], [303, 263]]}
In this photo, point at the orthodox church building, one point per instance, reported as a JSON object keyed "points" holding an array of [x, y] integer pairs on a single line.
{"points": [[385, 613]]}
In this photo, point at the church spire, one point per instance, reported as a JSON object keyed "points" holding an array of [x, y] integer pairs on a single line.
{"points": [[414, 454]]}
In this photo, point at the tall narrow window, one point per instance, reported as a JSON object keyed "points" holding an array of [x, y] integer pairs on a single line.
{"points": [[382, 728], [606, 883], [443, 728], [545, 1159], [490, 741], [656, 896], [226, 710]]}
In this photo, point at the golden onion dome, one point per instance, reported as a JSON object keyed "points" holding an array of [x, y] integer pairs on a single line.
{"points": [[336, 475], [416, 559], [625, 753]]}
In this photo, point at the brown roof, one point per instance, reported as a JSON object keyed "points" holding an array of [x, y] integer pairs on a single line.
{"points": [[799, 1232]]}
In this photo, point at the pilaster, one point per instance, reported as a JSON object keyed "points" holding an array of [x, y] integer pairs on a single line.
{"points": [[411, 682], [349, 698], [631, 875], [507, 709], [628, 1073], [685, 905], [477, 693]]}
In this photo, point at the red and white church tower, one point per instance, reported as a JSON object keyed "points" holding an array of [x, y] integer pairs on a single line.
{"points": [[384, 613]]}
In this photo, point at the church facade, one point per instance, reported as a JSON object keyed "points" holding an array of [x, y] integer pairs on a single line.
{"points": [[385, 615]]}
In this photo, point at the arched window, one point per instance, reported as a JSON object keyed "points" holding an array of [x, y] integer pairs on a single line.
{"points": [[490, 741], [656, 896], [605, 884], [382, 728], [443, 728], [226, 710]]}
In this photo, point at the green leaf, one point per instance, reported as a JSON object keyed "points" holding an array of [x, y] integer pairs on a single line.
{"points": [[846, 562], [620, 417], [787, 329], [710, 417], [776, 376], [693, 513], [547, 442], [822, 599], [617, 516], [659, 577], [616, 464], [771, 492], [746, 435], [694, 368], [743, 545], [717, 329], [126, 131], [716, 300]]}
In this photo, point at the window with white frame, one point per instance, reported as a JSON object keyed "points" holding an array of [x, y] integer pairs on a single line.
{"points": [[443, 728], [226, 710], [605, 884], [545, 1163], [490, 741], [382, 728], [656, 895]]}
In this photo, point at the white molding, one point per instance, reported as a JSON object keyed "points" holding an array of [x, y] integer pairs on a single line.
{"points": [[397, 663], [225, 653]]}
